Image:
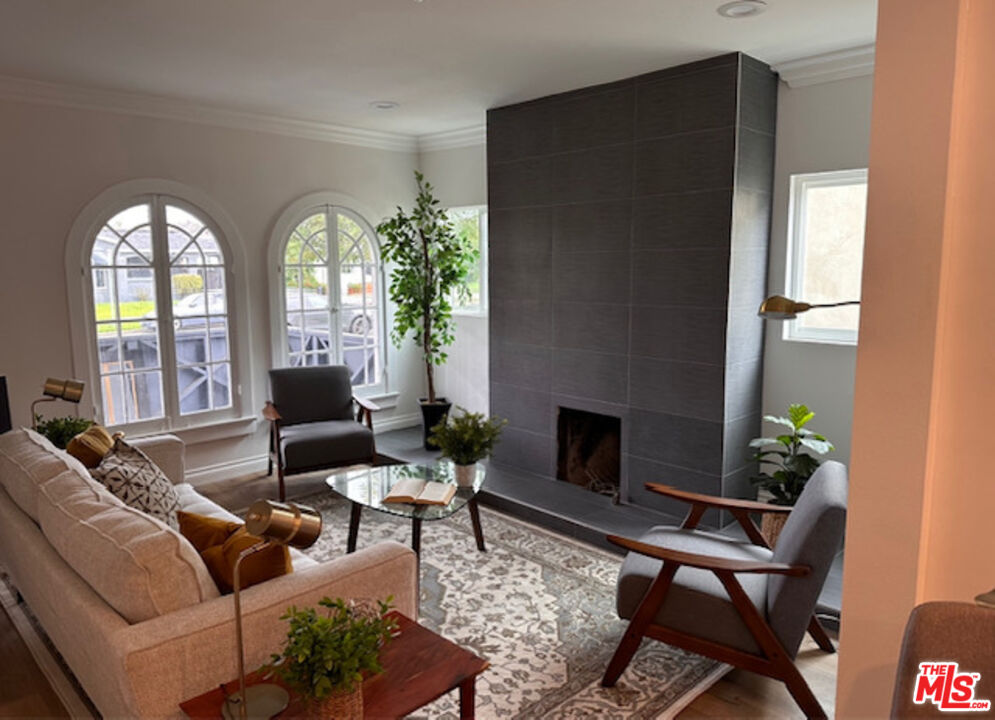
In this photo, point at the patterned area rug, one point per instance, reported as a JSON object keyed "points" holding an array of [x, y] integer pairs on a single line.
{"points": [[540, 607]]}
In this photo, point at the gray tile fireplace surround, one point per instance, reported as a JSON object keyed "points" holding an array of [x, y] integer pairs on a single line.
{"points": [[629, 226]]}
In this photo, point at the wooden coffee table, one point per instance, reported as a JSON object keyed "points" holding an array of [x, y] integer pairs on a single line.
{"points": [[419, 666]]}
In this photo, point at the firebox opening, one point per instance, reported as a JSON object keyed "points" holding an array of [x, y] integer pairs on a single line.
{"points": [[589, 450]]}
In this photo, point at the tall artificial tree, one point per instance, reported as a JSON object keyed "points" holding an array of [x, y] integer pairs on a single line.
{"points": [[430, 266]]}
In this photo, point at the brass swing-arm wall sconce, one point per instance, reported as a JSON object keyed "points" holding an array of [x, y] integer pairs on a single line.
{"points": [[68, 390], [778, 307]]}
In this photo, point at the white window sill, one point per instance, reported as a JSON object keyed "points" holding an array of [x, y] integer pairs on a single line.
{"points": [[385, 401], [470, 313], [208, 432], [821, 341]]}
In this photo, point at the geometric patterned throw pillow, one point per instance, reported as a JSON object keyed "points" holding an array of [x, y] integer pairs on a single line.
{"points": [[138, 482]]}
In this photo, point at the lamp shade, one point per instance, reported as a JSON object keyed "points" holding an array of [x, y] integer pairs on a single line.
{"points": [[70, 390], [778, 307], [285, 523]]}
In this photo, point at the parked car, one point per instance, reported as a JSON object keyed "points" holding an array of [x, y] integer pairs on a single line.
{"points": [[354, 320], [189, 312]]}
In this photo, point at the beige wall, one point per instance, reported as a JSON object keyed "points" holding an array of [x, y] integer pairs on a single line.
{"points": [[54, 160], [460, 179], [819, 127], [921, 494]]}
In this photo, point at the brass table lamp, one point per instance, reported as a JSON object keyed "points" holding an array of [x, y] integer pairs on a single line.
{"points": [[54, 389], [277, 524]]}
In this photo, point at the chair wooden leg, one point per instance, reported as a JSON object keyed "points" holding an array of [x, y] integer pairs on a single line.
{"points": [[269, 468], [641, 619], [801, 692], [280, 482], [820, 636]]}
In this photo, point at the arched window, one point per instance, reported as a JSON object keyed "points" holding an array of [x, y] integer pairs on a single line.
{"points": [[332, 300], [160, 315]]}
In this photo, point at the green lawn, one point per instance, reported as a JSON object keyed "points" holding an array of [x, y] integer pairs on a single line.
{"points": [[135, 309]]}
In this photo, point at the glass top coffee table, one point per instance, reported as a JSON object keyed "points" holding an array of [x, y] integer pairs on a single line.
{"points": [[367, 487]]}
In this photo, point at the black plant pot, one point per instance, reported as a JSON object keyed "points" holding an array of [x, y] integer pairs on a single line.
{"points": [[431, 415]]}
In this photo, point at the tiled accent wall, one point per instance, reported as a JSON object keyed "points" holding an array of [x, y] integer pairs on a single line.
{"points": [[629, 226]]}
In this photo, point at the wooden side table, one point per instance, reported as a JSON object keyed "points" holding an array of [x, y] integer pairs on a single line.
{"points": [[419, 667]]}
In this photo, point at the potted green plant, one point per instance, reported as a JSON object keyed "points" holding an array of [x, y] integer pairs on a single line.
{"points": [[61, 430], [467, 439], [789, 465], [430, 266], [326, 654]]}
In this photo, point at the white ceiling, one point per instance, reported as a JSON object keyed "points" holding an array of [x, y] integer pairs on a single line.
{"points": [[444, 61]]}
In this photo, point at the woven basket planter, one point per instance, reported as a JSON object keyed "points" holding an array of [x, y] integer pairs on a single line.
{"points": [[340, 706], [771, 525]]}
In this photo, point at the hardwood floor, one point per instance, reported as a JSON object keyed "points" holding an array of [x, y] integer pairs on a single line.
{"points": [[24, 689], [24, 692]]}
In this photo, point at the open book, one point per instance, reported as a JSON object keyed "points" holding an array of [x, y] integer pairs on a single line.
{"points": [[421, 492]]}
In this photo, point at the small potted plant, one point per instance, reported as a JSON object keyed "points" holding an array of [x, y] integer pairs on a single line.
{"points": [[790, 466], [430, 265], [61, 430], [467, 439], [326, 654]]}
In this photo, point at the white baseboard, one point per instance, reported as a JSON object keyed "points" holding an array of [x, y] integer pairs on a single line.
{"points": [[242, 467], [396, 423], [245, 467]]}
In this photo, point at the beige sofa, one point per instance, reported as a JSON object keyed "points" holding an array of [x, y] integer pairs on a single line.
{"points": [[121, 594]]}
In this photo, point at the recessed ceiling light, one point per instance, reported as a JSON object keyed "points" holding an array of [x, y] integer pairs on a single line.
{"points": [[384, 105], [741, 8]]}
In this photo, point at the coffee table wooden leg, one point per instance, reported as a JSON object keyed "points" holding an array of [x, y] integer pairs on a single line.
{"points": [[416, 535], [357, 511], [478, 531], [467, 701]]}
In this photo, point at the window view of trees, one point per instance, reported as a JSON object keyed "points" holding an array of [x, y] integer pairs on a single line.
{"points": [[471, 224], [827, 252]]}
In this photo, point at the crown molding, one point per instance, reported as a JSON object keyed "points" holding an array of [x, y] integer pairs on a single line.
{"points": [[451, 139], [36, 91], [839, 65]]}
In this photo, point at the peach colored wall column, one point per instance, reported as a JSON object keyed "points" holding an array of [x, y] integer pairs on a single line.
{"points": [[920, 493]]}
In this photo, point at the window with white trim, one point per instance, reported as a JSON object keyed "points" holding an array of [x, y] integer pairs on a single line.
{"points": [[825, 253], [159, 297], [332, 299], [470, 223]]}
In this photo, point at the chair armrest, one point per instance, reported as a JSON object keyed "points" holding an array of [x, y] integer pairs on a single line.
{"points": [[167, 452], [365, 404], [717, 502], [271, 413], [180, 655], [708, 562]]}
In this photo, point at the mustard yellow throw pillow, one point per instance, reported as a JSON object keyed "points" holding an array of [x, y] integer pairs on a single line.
{"points": [[219, 543], [90, 446]]}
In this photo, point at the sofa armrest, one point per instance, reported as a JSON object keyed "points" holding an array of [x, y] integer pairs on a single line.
{"points": [[180, 655], [166, 451]]}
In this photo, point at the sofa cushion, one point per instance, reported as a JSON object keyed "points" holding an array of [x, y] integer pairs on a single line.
{"points": [[27, 460], [325, 444], [129, 474], [137, 564]]}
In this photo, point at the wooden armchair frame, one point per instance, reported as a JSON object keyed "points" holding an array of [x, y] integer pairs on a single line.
{"points": [[774, 661], [364, 415]]}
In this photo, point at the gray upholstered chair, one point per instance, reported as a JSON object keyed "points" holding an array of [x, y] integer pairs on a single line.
{"points": [[736, 601], [944, 632], [312, 423]]}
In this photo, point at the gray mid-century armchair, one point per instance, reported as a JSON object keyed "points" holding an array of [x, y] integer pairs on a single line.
{"points": [[312, 423], [734, 600]]}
